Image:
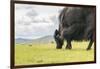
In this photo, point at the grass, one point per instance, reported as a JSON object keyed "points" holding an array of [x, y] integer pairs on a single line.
{"points": [[47, 53]]}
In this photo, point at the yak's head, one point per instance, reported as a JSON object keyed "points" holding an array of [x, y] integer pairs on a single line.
{"points": [[58, 40]]}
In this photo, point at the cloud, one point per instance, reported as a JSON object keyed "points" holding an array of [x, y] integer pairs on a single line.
{"points": [[33, 21], [34, 30], [32, 13]]}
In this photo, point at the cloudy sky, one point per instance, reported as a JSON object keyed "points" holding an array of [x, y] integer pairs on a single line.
{"points": [[35, 21]]}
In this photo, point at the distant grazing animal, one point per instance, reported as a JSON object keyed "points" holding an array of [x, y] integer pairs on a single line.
{"points": [[75, 23]]}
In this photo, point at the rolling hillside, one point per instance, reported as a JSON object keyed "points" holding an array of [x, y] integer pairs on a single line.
{"points": [[44, 39]]}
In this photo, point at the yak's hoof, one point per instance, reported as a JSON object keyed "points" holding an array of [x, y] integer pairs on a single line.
{"points": [[88, 49], [69, 47]]}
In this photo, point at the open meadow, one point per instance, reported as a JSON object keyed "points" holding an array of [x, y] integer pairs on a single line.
{"points": [[47, 53]]}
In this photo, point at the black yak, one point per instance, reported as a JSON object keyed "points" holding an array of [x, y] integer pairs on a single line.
{"points": [[75, 23]]}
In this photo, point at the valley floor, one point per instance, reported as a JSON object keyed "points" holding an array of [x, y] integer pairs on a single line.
{"points": [[26, 54]]}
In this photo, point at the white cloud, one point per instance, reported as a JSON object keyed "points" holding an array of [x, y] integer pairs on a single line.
{"points": [[33, 21]]}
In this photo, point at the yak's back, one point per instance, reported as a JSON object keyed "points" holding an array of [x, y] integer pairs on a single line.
{"points": [[77, 21], [73, 15]]}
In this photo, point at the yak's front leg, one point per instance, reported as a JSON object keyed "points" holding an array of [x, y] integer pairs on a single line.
{"points": [[68, 46]]}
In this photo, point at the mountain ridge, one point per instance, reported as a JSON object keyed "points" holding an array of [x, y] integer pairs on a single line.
{"points": [[44, 39]]}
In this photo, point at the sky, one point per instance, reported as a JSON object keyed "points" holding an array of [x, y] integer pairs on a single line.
{"points": [[35, 21]]}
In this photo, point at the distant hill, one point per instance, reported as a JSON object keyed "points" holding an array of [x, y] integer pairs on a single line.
{"points": [[44, 39], [22, 40]]}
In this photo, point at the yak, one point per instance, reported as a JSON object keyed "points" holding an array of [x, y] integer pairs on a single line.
{"points": [[75, 23]]}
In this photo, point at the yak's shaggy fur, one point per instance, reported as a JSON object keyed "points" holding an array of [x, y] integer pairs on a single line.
{"points": [[75, 23]]}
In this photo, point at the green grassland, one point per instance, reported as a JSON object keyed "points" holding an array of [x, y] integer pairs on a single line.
{"points": [[47, 53]]}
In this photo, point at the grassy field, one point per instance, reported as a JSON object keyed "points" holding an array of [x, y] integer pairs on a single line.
{"points": [[47, 53]]}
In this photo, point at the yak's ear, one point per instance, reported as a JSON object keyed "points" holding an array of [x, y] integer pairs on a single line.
{"points": [[56, 32]]}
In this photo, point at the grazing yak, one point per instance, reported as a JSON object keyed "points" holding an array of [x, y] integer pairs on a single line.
{"points": [[75, 23]]}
